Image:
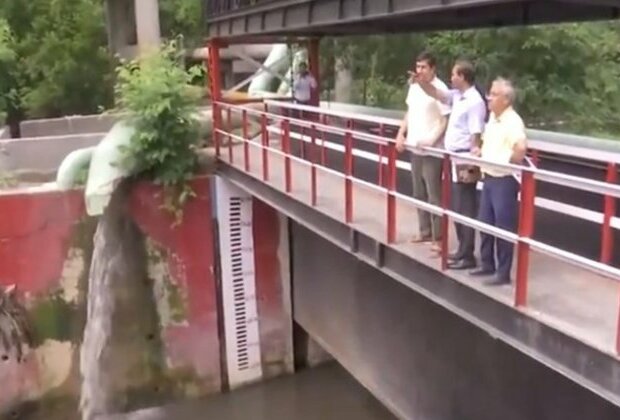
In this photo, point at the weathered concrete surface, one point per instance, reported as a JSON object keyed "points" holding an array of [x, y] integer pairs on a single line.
{"points": [[5, 133], [426, 362], [75, 124], [45, 246], [42, 154], [273, 283], [121, 350], [325, 393], [45, 249]]}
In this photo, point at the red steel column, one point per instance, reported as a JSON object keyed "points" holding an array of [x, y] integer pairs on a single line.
{"points": [[348, 172], [380, 174], [286, 149], [526, 229], [215, 88], [313, 159], [618, 332], [446, 184], [607, 237], [246, 144], [229, 130], [265, 141], [391, 198]]}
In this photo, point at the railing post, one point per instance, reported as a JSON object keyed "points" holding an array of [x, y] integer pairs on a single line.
{"points": [[618, 331], [607, 237], [265, 144], [381, 134], [313, 159], [217, 117], [391, 198], [525, 231], [229, 130], [446, 185], [215, 87], [246, 144], [286, 149], [535, 157], [348, 171], [324, 121]]}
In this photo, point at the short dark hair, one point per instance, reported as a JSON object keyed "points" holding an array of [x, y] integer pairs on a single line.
{"points": [[466, 69], [428, 57]]}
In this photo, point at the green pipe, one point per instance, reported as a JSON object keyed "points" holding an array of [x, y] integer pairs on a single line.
{"points": [[73, 167]]}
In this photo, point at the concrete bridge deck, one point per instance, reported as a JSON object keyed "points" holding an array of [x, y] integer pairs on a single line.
{"points": [[569, 323]]}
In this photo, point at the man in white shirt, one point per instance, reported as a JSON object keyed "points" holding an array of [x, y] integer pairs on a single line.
{"points": [[424, 125], [465, 126]]}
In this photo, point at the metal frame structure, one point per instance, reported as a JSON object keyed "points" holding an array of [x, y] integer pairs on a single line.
{"points": [[275, 19], [319, 123]]}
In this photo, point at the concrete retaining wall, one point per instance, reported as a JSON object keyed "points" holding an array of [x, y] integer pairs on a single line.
{"points": [[5, 133], [46, 246], [77, 124], [42, 154], [45, 251]]}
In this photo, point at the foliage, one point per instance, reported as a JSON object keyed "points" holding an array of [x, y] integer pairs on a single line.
{"points": [[63, 67], [182, 18], [163, 109], [567, 75], [7, 61]]}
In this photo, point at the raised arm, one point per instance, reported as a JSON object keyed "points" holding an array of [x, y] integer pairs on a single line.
{"points": [[432, 91]]}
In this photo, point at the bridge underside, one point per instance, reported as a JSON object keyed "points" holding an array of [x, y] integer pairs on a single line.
{"points": [[425, 345], [422, 361], [270, 21]]}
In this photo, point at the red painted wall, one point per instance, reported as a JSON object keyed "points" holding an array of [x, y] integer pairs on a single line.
{"points": [[35, 234], [38, 229], [189, 247]]}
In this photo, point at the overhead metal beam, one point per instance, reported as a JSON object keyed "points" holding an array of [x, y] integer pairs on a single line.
{"points": [[350, 17]]}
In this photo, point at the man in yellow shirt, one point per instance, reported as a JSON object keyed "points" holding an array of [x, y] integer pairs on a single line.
{"points": [[503, 141]]}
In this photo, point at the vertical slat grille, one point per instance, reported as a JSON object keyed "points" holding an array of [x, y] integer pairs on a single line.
{"points": [[238, 284]]}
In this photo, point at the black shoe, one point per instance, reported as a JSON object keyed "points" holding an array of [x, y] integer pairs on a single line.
{"points": [[482, 272], [498, 281], [462, 264], [455, 256]]}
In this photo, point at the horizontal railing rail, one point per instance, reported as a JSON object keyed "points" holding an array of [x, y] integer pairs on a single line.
{"points": [[611, 159], [536, 141], [318, 125]]}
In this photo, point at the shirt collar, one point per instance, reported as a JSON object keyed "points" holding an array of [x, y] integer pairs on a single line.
{"points": [[503, 115], [470, 91]]}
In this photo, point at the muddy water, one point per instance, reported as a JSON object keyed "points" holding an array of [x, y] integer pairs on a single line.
{"points": [[324, 393]]}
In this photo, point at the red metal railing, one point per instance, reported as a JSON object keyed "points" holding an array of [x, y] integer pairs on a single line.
{"points": [[345, 129]]}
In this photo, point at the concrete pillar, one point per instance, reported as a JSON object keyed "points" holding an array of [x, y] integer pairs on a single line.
{"points": [[147, 24]]}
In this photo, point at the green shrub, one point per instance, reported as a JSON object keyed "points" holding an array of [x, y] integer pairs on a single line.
{"points": [[154, 91]]}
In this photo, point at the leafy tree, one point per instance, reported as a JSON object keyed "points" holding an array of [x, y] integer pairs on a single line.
{"points": [[63, 65], [567, 75], [7, 60], [182, 18]]}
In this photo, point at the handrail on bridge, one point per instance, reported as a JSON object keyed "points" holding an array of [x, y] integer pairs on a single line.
{"points": [[387, 184]]}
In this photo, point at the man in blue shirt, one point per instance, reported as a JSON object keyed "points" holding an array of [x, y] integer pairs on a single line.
{"points": [[463, 135]]}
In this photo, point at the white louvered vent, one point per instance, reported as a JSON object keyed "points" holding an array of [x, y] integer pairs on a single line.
{"points": [[234, 214]]}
